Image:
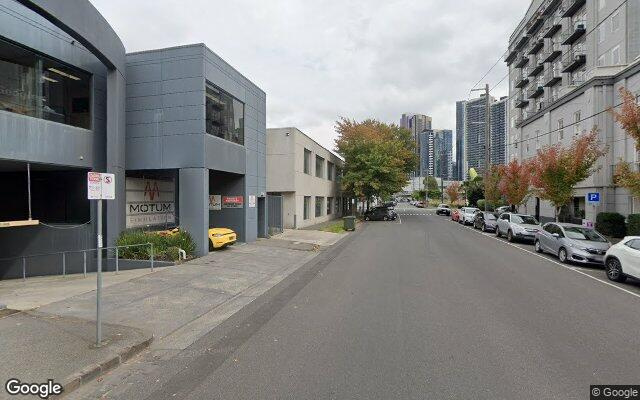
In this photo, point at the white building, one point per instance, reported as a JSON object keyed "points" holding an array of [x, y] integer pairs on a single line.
{"points": [[306, 175]]}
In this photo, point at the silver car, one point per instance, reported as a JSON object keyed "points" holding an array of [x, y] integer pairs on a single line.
{"points": [[517, 226], [571, 242], [467, 214]]}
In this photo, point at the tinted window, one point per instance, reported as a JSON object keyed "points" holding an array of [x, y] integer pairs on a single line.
{"points": [[224, 115], [505, 217], [634, 244], [307, 161], [548, 228], [524, 219]]}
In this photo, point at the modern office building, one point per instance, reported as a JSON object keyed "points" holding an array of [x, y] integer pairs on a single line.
{"points": [[416, 124], [303, 180], [499, 131], [567, 60], [179, 128], [459, 172], [474, 129], [196, 134], [425, 153], [441, 154]]}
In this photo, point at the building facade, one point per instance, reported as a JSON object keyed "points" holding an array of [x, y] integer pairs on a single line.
{"points": [[306, 176], [442, 153], [474, 138], [499, 131], [459, 171], [425, 153], [567, 60]]}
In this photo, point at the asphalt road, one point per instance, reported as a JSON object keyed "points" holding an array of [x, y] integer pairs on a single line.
{"points": [[419, 308]]}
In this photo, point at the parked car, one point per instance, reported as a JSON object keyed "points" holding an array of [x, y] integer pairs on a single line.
{"points": [[443, 209], [517, 226], [623, 259], [485, 221], [221, 237], [467, 214], [419, 204], [379, 214], [502, 209], [571, 242], [455, 214]]}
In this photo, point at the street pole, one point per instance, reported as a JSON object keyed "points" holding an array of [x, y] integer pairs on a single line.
{"points": [[487, 143], [99, 279], [442, 154]]}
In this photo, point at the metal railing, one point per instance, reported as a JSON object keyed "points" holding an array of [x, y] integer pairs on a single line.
{"points": [[64, 255]]}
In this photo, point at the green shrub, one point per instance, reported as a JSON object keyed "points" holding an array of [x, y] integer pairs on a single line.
{"points": [[481, 204], [611, 224], [164, 247], [633, 224]]}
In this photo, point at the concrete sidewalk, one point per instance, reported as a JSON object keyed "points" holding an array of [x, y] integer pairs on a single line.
{"points": [[174, 305]]}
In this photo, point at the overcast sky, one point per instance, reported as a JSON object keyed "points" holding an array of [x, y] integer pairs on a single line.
{"points": [[318, 60]]}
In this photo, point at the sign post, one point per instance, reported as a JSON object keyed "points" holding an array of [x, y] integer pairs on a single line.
{"points": [[100, 187]]}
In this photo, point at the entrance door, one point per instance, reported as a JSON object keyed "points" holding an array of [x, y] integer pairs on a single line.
{"points": [[261, 218], [274, 214]]}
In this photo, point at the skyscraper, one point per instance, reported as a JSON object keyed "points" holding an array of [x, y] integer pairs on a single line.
{"points": [[441, 153], [499, 131], [425, 152], [459, 172], [416, 123]]}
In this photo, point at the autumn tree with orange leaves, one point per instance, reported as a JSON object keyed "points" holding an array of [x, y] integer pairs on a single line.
{"points": [[515, 182], [557, 170], [629, 119], [454, 192]]}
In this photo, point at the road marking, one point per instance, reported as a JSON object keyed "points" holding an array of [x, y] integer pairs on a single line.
{"points": [[569, 267]]}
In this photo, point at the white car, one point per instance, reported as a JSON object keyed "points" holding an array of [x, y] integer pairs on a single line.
{"points": [[467, 214], [623, 259]]}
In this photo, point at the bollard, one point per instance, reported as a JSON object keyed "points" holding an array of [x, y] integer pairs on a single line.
{"points": [[24, 269], [117, 268], [84, 263], [151, 257], [64, 263]]}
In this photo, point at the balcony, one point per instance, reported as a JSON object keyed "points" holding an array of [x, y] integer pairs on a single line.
{"points": [[552, 77], [535, 90], [521, 42], [575, 58], [522, 61], [551, 26], [570, 7], [511, 57], [534, 70], [549, 6], [521, 80], [521, 100], [552, 53], [536, 45], [535, 24], [575, 32]]}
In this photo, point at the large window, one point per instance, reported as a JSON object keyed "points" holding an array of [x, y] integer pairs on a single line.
{"points": [[319, 167], [319, 206], [306, 207], [307, 161], [329, 205], [34, 85], [224, 115], [330, 169]]}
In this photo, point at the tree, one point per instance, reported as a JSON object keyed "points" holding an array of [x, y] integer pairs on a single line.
{"points": [[453, 192], [492, 193], [557, 170], [474, 190], [377, 157], [515, 182], [629, 120]]}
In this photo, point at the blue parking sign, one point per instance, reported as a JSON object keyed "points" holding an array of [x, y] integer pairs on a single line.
{"points": [[593, 197]]}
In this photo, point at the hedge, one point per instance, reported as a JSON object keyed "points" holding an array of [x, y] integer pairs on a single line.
{"points": [[165, 247], [611, 224], [633, 224]]}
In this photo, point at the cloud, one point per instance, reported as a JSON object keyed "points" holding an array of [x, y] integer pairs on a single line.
{"points": [[323, 59]]}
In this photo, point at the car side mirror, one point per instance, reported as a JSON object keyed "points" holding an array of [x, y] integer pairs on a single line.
{"points": [[556, 235]]}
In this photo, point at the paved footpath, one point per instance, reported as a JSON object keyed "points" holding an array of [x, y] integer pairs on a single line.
{"points": [[421, 308]]}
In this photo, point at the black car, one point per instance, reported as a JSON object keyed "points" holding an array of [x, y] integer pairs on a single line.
{"points": [[485, 220], [380, 214]]}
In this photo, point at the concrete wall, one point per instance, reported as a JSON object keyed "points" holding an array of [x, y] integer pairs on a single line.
{"points": [[285, 154]]}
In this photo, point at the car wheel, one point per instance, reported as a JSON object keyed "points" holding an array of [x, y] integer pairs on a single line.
{"points": [[497, 232], [366, 218], [537, 246], [562, 255], [484, 227], [614, 270], [510, 235]]}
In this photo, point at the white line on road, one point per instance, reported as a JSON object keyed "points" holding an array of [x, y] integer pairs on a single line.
{"points": [[570, 268]]}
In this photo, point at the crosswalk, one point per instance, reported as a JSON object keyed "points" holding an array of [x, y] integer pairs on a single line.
{"points": [[414, 213]]}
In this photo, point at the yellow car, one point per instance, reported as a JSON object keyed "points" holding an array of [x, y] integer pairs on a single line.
{"points": [[221, 237]]}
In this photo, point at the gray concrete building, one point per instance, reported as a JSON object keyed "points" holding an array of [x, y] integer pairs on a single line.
{"points": [[499, 131], [567, 60], [425, 153], [474, 134], [195, 127], [459, 171], [442, 153], [305, 177]]}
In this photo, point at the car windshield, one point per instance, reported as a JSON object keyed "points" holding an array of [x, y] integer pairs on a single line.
{"points": [[524, 219], [489, 216], [580, 233], [470, 210]]}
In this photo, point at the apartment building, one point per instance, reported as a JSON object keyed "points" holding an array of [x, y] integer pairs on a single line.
{"points": [[442, 149], [304, 177], [567, 59], [425, 153], [459, 171], [499, 124]]}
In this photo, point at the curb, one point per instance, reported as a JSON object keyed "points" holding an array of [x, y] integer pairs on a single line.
{"points": [[92, 371]]}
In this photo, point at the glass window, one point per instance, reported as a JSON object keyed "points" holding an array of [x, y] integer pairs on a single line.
{"points": [[524, 219], [634, 244], [224, 115], [329, 205], [330, 168], [306, 207], [615, 21], [580, 233], [615, 55], [319, 167], [560, 130], [548, 228], [40, 87], [307, 161], [319, 206]]}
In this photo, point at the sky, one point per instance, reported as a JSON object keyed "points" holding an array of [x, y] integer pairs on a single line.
{"points": [[324, 59]]}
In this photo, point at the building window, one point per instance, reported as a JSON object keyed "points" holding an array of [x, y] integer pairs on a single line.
{"points": [[41, 87], [224, 115], [615, 56], [319, 206], [329, 205], [560, 130], [319, 167], [337, 206], [601, 60], [306, 207], [576, 120], [615, 21], [601, 32], [307, 161], [330, 170]]}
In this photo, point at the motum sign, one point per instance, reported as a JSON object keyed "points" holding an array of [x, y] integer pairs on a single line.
{"points": [[150, 202]]}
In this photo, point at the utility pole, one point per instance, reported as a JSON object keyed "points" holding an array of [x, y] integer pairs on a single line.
{"points": [[487, 138]]}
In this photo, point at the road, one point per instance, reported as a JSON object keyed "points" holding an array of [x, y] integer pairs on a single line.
{"points": [[419, 308]]}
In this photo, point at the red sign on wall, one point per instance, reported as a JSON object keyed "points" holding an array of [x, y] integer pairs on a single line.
{"points": [[232, 201]]}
